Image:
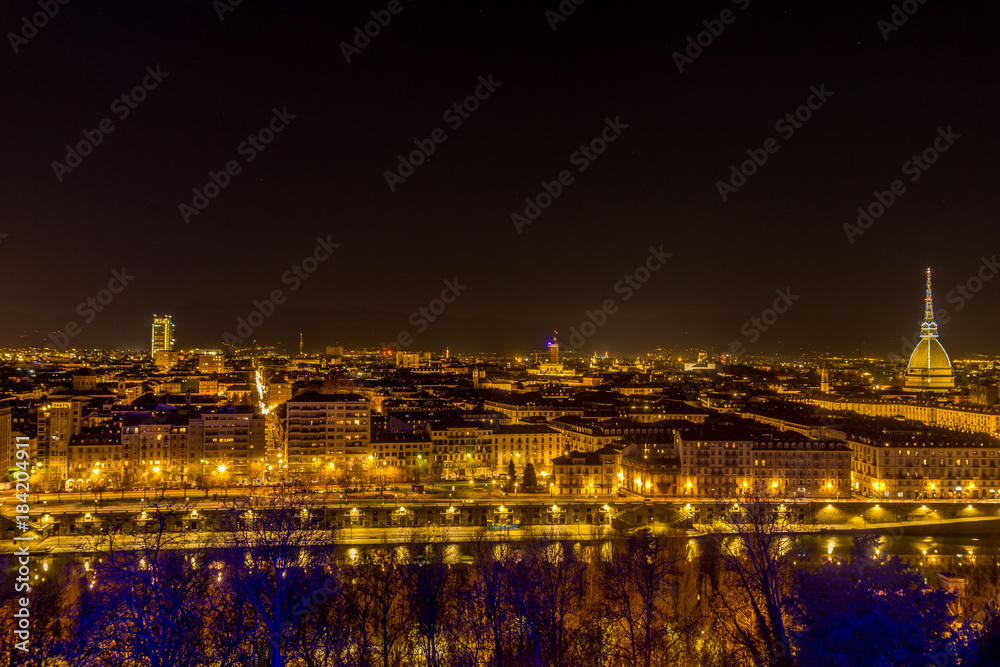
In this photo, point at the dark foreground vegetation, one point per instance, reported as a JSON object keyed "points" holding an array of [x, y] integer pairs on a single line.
{"points": [[277, 591]]}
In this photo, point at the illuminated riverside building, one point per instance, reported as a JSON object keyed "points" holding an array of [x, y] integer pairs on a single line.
{"points": [[537, 444], [905, 467], [163, 334], [715, 461], [462, 449], [228, 436], [650, 469], [729, 460], [58, 420], [802, 468], [326, 428], [929, 368], [586, 473], [96, 454], [155, 448]]}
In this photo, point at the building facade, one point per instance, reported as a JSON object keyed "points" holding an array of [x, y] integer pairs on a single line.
{"points": [[802, 468], [586, 473], [58, 420], [326, 428], [925, 470], [232, 437], [163, 334]]}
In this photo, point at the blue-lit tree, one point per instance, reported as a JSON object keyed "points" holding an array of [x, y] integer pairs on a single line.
{"points": [[871, 610]]}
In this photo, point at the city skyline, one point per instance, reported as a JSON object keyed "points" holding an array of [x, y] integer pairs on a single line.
{"points": [[578, 337]]}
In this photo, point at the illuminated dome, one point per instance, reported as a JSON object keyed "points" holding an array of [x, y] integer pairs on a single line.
{"points": [[929, 368]]}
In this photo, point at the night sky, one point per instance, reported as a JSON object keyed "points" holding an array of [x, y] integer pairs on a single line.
{"points": [[553, 91]]}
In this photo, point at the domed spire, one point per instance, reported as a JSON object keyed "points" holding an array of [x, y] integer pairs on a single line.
{"points": [[929, 328], [929, 368]]}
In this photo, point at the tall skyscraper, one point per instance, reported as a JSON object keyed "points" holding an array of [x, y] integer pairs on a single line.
{"points": [[554, 350], [929, 368], [163, 334]]}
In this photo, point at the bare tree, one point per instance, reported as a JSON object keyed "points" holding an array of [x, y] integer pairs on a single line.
{"points": [[151, 596], [551, 583], [377, 606], [277, 551], [431, 601], [637, 583], [753, 589], [489, 611]]}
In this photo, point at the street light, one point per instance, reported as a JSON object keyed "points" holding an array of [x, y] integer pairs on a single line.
{"points": [[221, 470]]}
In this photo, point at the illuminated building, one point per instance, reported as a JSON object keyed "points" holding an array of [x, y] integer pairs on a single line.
{"points": [[279, 390], [650, 469], [519, 406], [166, 359], [84, 380], [327, 428], [526, 443], [211, 361], [58, 421], [230, 436], [462, 449], [586, 473], [715, 460], [163, 334], [96, 448], [154, 445], [929, 368], [970, 418], [902, 467], [805, 468]]}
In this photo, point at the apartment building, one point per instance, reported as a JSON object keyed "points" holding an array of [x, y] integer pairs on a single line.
{"points": [[326, 428]]}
